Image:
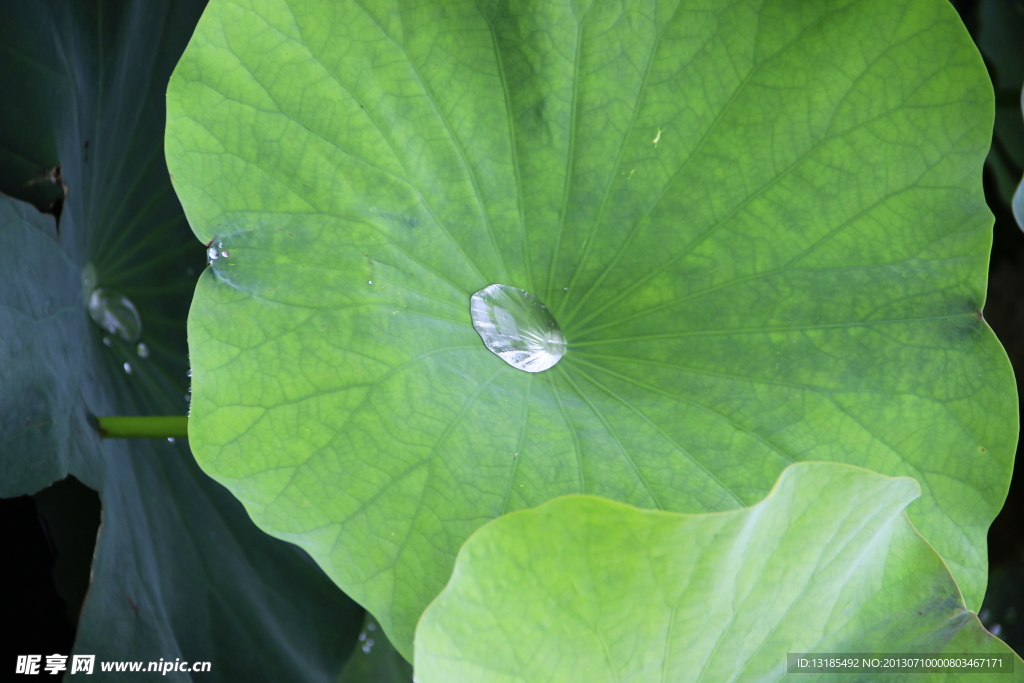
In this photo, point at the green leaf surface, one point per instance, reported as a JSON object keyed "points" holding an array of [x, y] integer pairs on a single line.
{"points": [[179, 570], [586, 589], [759, 226]]}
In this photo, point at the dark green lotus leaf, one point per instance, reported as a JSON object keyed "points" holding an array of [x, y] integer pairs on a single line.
{"points": [[585, 589], [375, 659], [759, 226], [1000, 25], [179, 569]]}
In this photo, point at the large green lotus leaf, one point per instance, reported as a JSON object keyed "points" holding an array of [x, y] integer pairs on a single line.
{"points": [[179, 570], [759, 225], [587, 589]]}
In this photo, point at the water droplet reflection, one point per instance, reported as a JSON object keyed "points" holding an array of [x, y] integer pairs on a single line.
{"points": [[517, 327], [142, 350], [115, 313]]}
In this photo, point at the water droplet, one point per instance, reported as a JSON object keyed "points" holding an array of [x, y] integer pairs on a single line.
{"points": [[371, 626], [212, 254], [565, 289], [189, 372], [115, 313], [366, 649], [106, 341], [128, 368], [142, 350], [369, 643], [170, 439], [225, 253], [188, 399], [369, 282], [362, 637], [517, 328], [220, 245]]}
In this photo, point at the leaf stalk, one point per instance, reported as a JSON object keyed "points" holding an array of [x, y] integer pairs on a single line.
{"points": [[148, 427]]}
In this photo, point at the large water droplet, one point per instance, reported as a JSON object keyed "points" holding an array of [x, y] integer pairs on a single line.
{"points": [[517, 327], [115, 313]]}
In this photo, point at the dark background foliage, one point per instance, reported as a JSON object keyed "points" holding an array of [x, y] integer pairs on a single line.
{"points": [[47, 539]]}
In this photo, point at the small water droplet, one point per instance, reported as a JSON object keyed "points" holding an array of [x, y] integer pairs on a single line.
{"points": [[170, 439], [128, 368], [142, 350], [106, 341], [225, 253], [115, 313], [565, 289], [190, 388], [517, 327], [220, 245], [366, 649], [369, 643], [188, 399], [369, 282], [189, 373], [212, 254], [371, 626]]}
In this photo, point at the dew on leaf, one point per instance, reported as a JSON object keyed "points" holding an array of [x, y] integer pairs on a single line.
{"points": [[212, 253], [170, 439], [115, 313], [106, 341], [517, 327], [142, 350], [128, 368]]}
